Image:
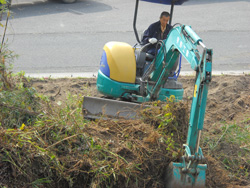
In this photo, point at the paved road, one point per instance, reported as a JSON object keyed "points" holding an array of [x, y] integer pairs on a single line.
{"points": [[51, 37]]}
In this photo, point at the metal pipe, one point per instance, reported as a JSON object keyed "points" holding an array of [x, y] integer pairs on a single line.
{"points": [[134, 23], [202, 45], [204, 50], [196, 39], [198, 141], [171, 12]]}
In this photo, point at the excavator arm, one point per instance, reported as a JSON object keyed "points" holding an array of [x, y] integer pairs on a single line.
{"points": [[190, 172]]}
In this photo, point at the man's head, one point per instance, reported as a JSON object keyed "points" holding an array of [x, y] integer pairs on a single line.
{"points": [[164, 18]]}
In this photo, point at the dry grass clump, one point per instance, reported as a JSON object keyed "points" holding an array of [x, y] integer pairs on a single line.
{"points": [[19, 103], [61, 149]]}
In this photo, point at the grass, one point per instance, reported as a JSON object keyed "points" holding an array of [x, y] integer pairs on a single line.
{"points": [[229, 145]]}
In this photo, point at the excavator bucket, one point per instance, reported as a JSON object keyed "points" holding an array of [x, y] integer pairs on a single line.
{"points": [[95, 108], [176, 177]]}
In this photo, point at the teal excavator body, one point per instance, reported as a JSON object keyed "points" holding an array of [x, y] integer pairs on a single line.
{"points": [[130, 74]]}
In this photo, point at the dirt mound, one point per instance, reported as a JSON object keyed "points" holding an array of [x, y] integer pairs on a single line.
{"points": [[228, 98], [58, 89]]}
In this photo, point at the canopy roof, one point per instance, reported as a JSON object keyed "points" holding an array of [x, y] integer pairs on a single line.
{"points": [[167, 2]]}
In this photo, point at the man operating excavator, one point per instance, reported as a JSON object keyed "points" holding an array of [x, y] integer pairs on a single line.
{"points": [[158, 30]]}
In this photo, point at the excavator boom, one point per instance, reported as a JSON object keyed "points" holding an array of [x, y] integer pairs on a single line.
{"points": [[190, 172]]}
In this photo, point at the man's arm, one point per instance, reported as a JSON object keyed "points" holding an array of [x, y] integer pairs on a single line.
{"points": [[147, 35]]}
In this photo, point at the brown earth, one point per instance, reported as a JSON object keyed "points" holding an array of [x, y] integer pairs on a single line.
{"points": [[228, 96], [228, 102]]}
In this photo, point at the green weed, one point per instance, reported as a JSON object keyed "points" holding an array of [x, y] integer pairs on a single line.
{"points": [[233, 140]]}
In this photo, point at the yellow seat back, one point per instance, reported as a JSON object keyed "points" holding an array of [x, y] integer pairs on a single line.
{"points": [[121, 61]]}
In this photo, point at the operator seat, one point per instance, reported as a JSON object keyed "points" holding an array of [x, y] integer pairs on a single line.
{"points": [[142, 58]]}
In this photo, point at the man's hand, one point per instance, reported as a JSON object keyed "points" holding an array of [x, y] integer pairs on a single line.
{"points": [[152, 40]]}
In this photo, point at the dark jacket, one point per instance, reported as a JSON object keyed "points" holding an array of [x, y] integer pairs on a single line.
{"points": [[154, 31]]}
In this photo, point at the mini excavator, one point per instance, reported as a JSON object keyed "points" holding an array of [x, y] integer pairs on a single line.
{"points": [[131, 75]]}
